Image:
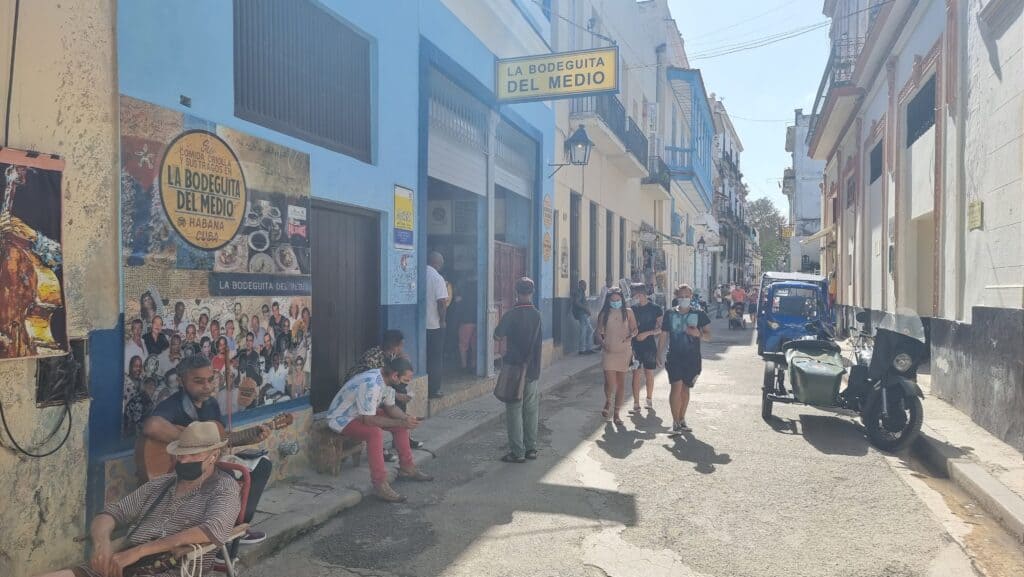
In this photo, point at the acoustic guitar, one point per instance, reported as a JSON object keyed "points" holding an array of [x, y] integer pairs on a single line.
{"points": [[153, 460]]}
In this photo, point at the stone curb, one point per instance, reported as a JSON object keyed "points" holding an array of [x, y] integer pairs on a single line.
{"points": [[285, 528], [1002, 503]]}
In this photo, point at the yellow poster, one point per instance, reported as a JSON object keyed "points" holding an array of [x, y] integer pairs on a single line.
{"points": [[405, 218], [203, 189], [553, 76]]}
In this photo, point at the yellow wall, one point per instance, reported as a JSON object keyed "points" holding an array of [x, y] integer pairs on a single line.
{"points": [[64, 102]]}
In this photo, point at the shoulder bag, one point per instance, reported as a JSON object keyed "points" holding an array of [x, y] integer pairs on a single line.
{"points": [[512, 378]]}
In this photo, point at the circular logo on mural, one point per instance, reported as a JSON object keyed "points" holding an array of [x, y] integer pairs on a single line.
{"points": [[202, 189]]}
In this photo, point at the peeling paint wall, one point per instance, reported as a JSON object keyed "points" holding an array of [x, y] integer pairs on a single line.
{"points": [[63, 102]]}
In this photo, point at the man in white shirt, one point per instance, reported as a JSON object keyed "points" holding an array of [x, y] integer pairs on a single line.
{"points": [[275, 380], [437, 308]]}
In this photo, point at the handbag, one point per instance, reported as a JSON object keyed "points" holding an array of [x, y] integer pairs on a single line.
{"points": [[512, 378]]}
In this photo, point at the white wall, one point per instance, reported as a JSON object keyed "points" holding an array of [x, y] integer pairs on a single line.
{"points": [[993, 126]]}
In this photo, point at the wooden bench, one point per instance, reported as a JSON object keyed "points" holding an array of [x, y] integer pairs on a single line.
{"points": [[330, 449]]}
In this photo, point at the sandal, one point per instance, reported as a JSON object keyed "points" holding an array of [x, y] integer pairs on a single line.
{"points": [[385, 493], [636, 410], [618, 422], [510, 458], [606, 412]]}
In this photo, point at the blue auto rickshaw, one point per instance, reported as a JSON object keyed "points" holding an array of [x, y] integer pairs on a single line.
{"points": [[784, 312]]}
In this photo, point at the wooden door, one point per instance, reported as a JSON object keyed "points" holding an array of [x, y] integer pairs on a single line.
{"points": [[346, 293]]}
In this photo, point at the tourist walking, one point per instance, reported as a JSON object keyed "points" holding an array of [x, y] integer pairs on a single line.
{"points": [[616, 327], [520, 328], [683, 329], [645, 345]]}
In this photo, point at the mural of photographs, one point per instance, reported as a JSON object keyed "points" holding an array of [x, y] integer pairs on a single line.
{"points": [[274, 238], [259, 348]]}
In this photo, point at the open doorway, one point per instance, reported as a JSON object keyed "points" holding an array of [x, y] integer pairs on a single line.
{"points": [[454, 222]]}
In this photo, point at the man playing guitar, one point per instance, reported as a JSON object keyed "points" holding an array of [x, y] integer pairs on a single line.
{"points": [[194, 401]]}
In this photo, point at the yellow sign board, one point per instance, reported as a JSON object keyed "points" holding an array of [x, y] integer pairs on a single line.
{"points": [[405, 218], [562, 75], [787, 232], [203, 189]]}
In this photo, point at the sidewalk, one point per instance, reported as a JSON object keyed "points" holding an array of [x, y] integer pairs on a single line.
{"points": [[291, 508], [985, 467]]}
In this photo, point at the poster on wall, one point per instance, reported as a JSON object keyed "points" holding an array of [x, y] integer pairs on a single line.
{"points": [[216, 261], [33, 320], [405, 219]]}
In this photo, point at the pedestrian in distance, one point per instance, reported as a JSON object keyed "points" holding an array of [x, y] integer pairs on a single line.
{"points": [[437, 311], [521, 330], [717, 295], [683, 329], [616, 327], [645, 345], [581, 312]]}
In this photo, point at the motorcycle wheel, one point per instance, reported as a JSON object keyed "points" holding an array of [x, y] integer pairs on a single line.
{"points": [[881, 435], [766, 388]]}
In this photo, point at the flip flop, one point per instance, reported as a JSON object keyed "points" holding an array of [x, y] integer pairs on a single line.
{"points": [[606, 412]]}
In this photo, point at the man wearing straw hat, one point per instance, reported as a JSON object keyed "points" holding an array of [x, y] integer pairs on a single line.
{"points": [[197, 503]]}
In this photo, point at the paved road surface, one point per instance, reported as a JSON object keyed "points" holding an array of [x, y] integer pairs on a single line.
{"points": [[805, 496]]}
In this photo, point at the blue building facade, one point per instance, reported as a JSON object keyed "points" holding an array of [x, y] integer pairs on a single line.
{"points": [[183, 56]]}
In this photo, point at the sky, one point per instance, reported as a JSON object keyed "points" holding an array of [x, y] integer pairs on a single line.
{"points": [[763, 86]]}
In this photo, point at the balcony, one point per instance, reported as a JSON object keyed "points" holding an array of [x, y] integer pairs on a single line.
{"points": [[659, 183], [689, 158], [837, 94], [615, 136]]}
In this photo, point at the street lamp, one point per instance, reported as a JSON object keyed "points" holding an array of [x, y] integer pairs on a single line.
{"points": [[577, 148], [702, 247]]}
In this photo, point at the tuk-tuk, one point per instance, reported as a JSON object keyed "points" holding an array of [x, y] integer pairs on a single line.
{"points": [[763, 323], [785, 310]]}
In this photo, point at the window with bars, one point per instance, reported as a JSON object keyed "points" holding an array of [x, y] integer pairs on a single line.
{"points": [[302, 71]]}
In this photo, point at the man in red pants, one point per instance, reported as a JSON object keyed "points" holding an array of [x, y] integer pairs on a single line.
{"points": [[364, 408]]}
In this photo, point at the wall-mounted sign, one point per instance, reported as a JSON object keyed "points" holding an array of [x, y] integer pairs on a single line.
{"points": [[548, 248], [787, 232], [975, 215], [202, 189], [554, 76], [549, 216], [405, 218]]}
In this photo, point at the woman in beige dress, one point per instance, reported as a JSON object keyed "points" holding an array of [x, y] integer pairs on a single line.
{"points": [[616, 327]]}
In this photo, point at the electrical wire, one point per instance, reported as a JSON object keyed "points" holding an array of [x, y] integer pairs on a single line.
{"points": [[10, 74], [67, 434], [760, 42]]}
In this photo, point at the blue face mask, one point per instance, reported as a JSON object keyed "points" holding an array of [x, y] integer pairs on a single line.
{"points": [[615, 304]]}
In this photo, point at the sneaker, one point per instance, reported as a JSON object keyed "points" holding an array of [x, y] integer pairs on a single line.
{"points": [[253, 537], [650, 403], [415, 444], [218, 559], [676, 431], [389, 456], [683, 427]]}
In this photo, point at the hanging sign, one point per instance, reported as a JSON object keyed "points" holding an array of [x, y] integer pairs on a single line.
{"points": [[202, 189], [555, 76]]}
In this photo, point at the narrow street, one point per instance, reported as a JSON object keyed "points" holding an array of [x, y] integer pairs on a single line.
{"points": [[806, 496]]}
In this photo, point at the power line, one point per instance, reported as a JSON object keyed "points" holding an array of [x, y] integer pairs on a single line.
{"points": [[742, 22], [758, 43]]}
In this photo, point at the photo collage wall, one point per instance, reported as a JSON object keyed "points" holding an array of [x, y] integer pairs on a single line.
{"points": [[216, 261]]}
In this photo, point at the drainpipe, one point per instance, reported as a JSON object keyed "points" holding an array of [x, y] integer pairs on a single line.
{"points": [[961, 146]]}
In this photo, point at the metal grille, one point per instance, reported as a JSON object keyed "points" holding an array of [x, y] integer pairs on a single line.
{"points": [[455, 112], [516, 152], [302, 71]]}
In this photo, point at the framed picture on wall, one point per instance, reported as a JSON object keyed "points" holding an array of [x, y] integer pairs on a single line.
{"points": [[439, 217]]}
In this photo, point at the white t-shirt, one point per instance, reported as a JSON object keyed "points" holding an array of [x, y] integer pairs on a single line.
{"points": [[436, 290]]}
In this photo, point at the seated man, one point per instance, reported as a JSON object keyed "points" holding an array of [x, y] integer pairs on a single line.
{"points": [[376, 357], [196, 504], [364, 408], [193, 402]]}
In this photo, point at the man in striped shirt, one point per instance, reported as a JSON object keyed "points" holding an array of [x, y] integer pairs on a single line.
{"points": [[197, 503]]}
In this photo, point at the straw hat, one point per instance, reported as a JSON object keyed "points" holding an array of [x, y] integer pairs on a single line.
{"points": [[199, 437]]}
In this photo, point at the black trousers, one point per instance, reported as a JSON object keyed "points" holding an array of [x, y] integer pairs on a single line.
{"points": [[435, 360], [258, 478]]}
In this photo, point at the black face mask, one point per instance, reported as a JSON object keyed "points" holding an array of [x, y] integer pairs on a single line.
{"points": [[189, 471]]}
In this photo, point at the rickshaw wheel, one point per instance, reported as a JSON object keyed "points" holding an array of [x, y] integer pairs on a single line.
{"points": [[767, 388]]}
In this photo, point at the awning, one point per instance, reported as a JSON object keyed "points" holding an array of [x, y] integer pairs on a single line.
{"points": [[820, 234]]}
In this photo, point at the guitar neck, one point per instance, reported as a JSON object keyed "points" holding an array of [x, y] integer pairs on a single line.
{"points": [[245, 437]]}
